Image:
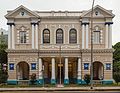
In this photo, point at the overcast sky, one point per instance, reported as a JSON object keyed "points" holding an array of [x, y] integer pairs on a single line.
{"points": [[78, 5]]}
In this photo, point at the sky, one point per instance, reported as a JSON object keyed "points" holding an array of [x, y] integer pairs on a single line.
{"points": [[74, 5]]}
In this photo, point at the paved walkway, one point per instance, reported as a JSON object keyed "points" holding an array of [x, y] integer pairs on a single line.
{"points": [[62, 89]]}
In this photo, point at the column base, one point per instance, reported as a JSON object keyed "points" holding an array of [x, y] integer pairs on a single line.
{"points": [[79, 81], [107, 81], [66, 81], [40, 81], [53, 81], [12, 82]]}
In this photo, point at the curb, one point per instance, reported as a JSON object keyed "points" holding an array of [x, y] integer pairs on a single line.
{"points": [[58, 89]]}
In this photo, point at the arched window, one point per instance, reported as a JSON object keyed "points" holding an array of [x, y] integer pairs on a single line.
{"points": [[46, 36], [72, 36], [59, 36]]}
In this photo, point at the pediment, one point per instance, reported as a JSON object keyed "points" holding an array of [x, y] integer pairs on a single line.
{"points": [[98, 11], [21, 12]]}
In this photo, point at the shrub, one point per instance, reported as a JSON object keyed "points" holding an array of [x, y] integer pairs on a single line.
{"points": [[3, 76], [33, 79], [116, 77], [87, 78]]}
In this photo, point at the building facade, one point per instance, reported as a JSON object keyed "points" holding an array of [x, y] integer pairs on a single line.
{"points": [[56, 45]]}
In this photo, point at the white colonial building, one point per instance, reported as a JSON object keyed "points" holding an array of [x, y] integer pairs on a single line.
{"points": [[56, 45]]}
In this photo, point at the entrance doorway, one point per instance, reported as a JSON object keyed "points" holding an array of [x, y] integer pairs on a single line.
{"points": [[98, 70], [22, 71], [58, 73]]}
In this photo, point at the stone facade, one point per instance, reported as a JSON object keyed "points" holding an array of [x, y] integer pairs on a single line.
{"points": [[62, 54]]}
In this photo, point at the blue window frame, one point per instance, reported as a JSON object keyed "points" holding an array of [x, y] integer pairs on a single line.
{"points": [[108, 66], [33, 66], [11, 66], [86, 66]]}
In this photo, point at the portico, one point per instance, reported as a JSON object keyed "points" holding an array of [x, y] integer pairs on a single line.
{"points": [[68, 66]]}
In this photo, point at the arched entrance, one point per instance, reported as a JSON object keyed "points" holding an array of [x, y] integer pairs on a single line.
{"points": [[22, 71], [98, 70]]}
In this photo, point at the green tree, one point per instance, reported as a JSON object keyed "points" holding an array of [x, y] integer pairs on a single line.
{"points": [[116, 77], [3, 60], [116, 62], [116, 53], [116, 67]]}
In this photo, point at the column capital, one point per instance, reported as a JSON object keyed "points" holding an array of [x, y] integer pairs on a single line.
{"points": [[108, 23], [34, 23], [10, 24], [85, 23], [66, 57]]}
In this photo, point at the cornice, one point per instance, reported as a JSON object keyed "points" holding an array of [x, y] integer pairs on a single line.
{"points": [[85, 23], [62, 51]]}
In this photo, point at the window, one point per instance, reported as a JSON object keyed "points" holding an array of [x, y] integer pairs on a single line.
{"points": [[96, 35], [96, 13], [33, 66], [22, 36], [59, 36], [86, 66], [108, 66], [11, 66], [22, 13], [73, 36], [46, 36]]}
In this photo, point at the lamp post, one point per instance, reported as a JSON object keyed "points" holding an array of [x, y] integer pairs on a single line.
{"points": [[91, 71], [43, 75], [60, 66]]}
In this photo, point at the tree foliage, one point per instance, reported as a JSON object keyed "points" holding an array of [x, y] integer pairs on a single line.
{"points": [[116, 54], [116, 77], [3, 60], [116, 62]]}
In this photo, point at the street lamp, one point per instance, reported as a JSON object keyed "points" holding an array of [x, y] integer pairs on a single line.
{"points": [[60, 62], [43, 75], [91, 71], [60, 66]]}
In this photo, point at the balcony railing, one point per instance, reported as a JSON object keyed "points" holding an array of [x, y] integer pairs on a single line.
{"points": [[58, 46]]}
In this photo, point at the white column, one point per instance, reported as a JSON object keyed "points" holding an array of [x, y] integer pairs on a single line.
{"points": [[86, 35], [106, 42], [79, 69], [110, 36], [53, 68], [40, 68], [33, 46], [9, 36], [66, 68], [83, 33], [13, 38], [36, 37]]}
